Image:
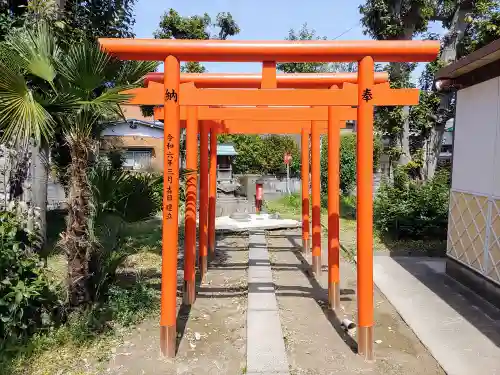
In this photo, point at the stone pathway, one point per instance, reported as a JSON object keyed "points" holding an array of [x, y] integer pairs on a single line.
{"points": [[265, 347], [461, 330]]}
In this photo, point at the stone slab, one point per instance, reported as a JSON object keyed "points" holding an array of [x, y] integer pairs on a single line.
{"points": [[265, 346], [260, 275], [262, 221], [262, 301], [266, 353]]}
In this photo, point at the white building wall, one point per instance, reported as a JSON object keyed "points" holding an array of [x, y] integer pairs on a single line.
{"points": [[474, 215], [475, 133]]}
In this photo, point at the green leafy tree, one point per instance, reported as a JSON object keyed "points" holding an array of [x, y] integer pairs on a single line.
{"points": [[92, 19], [44, 91], [275, 147], [174, 26], [401, 20], [10, 15], [71, 21], [250, 149], [470, 23], [305, 33]]}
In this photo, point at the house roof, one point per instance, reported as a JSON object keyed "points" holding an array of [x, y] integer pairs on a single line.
{"points": [[479, 66], [226, 150], [133, 121]]}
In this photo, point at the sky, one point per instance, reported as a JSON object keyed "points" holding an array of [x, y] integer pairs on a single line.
{"points": [[335, 19]]}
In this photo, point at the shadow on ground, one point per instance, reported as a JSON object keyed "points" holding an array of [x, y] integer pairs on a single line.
{"points": [[316, 292], [474, 309]]}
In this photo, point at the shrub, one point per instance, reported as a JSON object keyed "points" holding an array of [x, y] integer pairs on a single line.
{"points": [[107, 255], [347, 163], [133, 196], [118, 197], [27, 300], [408, 209]]}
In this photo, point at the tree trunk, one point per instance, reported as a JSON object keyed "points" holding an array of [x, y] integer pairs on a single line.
{"points": [[77, 239], [404, 138], [409, 22], [39, 178], [432, 145]]}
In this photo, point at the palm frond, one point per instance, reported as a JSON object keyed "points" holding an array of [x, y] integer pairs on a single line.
{"points": [[133, 72], [33, 51], [59, 104], [107, 103], [21, 116], [84, 68]]}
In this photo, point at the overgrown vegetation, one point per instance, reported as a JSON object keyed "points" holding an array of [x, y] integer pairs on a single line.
{"points": [[34, 304], [28, 301], [57, 89], [412, 210], [347, 162]]}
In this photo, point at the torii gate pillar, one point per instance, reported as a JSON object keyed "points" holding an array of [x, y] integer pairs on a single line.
{"points": [[364, 171], [170, 218]]}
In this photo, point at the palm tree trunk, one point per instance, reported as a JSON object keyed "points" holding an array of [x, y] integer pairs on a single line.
{"points": [[77, 240]]}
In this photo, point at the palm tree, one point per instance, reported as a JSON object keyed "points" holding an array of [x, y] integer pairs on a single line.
{"points": [[46, 92]]}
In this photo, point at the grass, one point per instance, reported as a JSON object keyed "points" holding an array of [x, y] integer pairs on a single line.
{"points": [[82, 345], [290, 207]]}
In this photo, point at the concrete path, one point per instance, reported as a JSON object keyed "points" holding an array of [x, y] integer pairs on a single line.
{"points": [[461, 330], [265, 346]]}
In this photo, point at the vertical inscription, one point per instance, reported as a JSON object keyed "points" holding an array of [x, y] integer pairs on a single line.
{"points": [[170, 172]]}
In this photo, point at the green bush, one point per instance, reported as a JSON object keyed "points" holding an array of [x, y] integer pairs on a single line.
{"points": [[133, 196], [347, 161], [107, 255], [412, 210], [27, 300]]}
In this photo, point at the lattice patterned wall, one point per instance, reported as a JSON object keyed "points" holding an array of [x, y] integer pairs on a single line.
{"points": [[474, 233], [493, 256]]}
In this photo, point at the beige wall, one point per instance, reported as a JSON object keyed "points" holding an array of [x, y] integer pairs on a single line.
{"points": [[126, 142], [467, 228]]}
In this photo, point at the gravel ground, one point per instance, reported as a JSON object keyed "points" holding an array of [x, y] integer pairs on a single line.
{"points": [[214, 338], [314, 341]]}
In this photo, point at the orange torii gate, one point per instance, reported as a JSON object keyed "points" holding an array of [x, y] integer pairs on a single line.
{"points": [[255, 120], [364, 96]]}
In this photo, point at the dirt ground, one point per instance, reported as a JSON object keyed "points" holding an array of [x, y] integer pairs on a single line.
{"points": [[214, 329], [315, 343]]}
